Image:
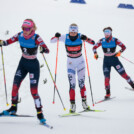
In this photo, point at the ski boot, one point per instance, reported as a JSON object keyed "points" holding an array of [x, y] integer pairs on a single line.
{"points": [[107, 96], [84, 104], [132, 85], [72, 107], [40, 116], [11, 111]]}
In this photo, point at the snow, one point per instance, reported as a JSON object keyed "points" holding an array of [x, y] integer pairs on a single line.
{"points": [[53, 16]]}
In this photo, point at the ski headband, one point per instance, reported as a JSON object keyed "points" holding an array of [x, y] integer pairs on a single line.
{"points": [[27, 23], [73, 29]]}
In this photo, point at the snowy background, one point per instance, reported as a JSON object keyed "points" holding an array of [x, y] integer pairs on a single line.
{"points": [[53, 16]]}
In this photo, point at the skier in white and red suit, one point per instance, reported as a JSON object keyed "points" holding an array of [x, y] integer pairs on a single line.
{"points": [[75, 62]]}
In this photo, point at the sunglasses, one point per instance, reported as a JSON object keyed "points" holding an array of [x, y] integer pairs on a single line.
{"points": [[26, 29], [107, 32]]}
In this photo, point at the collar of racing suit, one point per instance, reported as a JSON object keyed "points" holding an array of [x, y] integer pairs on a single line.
{"points": [[109, 39], [73, 38]]}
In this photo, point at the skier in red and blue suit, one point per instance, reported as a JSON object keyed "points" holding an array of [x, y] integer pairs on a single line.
{"points": [[29, 43], [109, 45]]}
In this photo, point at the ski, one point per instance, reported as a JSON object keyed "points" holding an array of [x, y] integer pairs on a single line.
{"points": [[79, 113], [15, 115], [46, 125], [129, 88], [92, 110], [69, 114], [105, 99]]}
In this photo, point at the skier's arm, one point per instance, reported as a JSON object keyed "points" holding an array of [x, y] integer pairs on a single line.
{"points": [[61, 38], [40, 42], [119, 43], [90, 41], [98, 44], [11, 40], [85, 38], [94, 49]]}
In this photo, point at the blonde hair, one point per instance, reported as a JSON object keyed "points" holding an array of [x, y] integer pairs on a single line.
{"points": [[73, 24]]}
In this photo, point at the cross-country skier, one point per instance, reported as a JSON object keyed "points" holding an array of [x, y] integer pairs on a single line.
{"points": [[109, 44], [75, 62], [29, 43]]}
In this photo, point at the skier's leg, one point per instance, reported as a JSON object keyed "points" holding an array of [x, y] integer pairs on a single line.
{"points": [[18, 78], [120, 69], [72, 80], [72, 83], [81, 81], [106, 72], [34, 74]]}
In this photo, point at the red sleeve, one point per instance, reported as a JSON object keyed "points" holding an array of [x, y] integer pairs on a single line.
{"points": [[40, 42], [119, 43], [98, 44], [11, 40], [90, 41], [54, 38]]}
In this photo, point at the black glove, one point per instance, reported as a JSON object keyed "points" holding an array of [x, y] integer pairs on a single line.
{"points": [[44, 50], [57, 35], [83, 37]]}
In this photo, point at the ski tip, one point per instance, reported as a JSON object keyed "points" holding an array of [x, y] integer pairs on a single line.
{"points": [[53, 102], [100, 110], [64, 109], [93, 105], [47, 125]]}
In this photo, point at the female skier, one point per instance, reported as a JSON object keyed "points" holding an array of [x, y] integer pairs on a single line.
{"points": [[75, 62], [109, 44], [29, 43]]}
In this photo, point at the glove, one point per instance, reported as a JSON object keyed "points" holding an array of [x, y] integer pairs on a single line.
{"points": [[57, 35], [83, 37], [44, 50], [118, 54], [1, 43], [96, 56]]}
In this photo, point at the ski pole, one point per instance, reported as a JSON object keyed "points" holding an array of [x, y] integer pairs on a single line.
{"points": [[127, 60], [56, 69], [53, 81], [4, 76], [88, 74]]}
